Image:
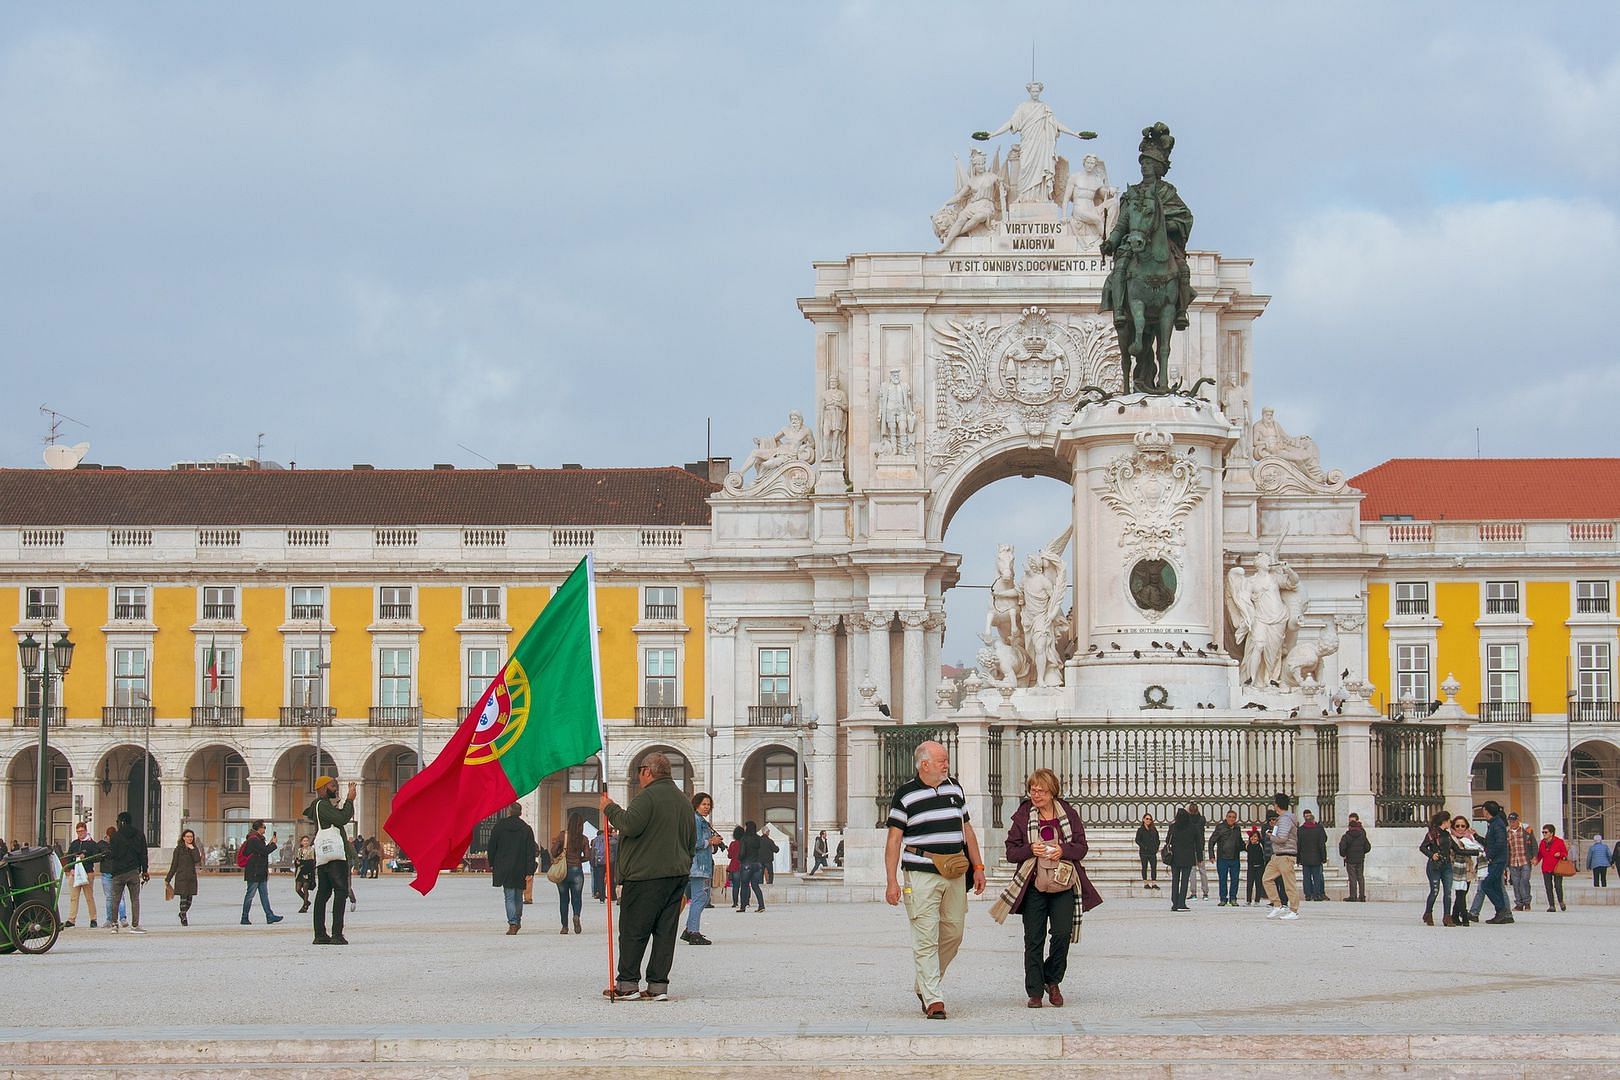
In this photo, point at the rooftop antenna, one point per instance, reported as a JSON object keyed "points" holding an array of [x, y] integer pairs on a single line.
{"points": [[60, 457], [258, 449], [474, 453], [56, 423]]}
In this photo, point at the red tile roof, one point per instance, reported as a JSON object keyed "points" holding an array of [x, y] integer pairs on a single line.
{"points": [[311, 497], [1491, 489]]}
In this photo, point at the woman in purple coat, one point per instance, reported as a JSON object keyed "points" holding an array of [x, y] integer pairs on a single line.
{"points": [[1046, 842]]}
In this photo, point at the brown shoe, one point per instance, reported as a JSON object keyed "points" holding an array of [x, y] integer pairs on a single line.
{"points": [[577, 928], [1034, 1002], [511, 928], [935, 1011], [1055, 995], [1428, 919], [1445, 920]]}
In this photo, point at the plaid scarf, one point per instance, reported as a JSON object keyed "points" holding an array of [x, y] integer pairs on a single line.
{"points": [[1024, 878]]}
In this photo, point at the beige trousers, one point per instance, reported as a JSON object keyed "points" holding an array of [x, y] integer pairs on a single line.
{"points": [[88, 889], [1279, 866], [937, 910]]}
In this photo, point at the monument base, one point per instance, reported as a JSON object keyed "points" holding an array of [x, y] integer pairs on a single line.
{"points": [[1149, 688]]}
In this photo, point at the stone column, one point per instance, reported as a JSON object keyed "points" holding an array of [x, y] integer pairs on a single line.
{"points": [[1456, 778], [860, 660], [262, 800], [933, 652], [823, 747], [914, 689], [1307, 769], [877, 654], [864, 838], [723, 690], [971, 764], [1550, 801], [5, 805], [172, 805], [1355, 770]]}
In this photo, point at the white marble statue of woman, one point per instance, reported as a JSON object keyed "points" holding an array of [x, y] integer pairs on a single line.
{"points": [[1038, 129], [1261, 618], [1043, 593]]}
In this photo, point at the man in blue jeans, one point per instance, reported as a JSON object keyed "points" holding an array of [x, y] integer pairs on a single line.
{"points": [[256, 872], [1496, 852], [1226, 848]]}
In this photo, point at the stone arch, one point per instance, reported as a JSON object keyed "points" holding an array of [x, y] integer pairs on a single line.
{"points": [[291, 780], [1594, 800], [218, 786], [986, 464], [681, 769], [1506, 770], [24, 796], [385, 769], [120, 781], [767, 769]]}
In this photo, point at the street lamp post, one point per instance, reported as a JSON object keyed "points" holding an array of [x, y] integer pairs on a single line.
{"points": [[33, 653], [806, 729]]}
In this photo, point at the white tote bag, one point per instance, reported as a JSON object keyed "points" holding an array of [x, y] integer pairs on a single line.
{"points": [[328, 843]]}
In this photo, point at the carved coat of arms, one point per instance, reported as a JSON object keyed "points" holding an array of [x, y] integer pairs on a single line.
{"points": [[1153, 490]]}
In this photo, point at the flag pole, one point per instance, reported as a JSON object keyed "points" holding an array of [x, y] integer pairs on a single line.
{"points": [[607, 864], [601, 762]]}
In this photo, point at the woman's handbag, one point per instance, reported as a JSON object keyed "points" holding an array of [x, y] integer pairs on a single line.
{"points": [[559, 870], [168, 890], [1054, 875], [329, 846], [718, 879], [1564, 868]]}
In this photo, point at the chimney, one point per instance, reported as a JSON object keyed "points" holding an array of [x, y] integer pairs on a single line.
{"points": [[365, 468], [442, 467]]}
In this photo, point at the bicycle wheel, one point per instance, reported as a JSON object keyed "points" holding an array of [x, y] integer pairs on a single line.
{"points": [[34, 927]]}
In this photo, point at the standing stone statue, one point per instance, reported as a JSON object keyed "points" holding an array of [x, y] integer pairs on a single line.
{"points": [[897, 420], [1262, 621], [1037, 128], [1149, 287], [834, 421], [1043, 597]]}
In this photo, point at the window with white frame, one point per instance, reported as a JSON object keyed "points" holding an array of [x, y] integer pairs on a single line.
{"points": [[1411, 598], [218, 674], [308, 601], [482, 667], [129, 677], [483, 602], [1592, 671], [394, 602], [587, 778], [61, 779], [1502, 672], [1592, 597], [781, 770], [1501, 598], [394, 678], [659, 683], [42, 602], [219, 602], [236, 775], [1412, 673], [775, 686], [662, 603], [405, 767], [33, 685], [129, 603], [305, 665]]}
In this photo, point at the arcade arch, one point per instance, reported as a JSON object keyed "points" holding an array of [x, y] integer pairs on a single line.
{"points": [[1506, 771], [130, 779], [24, 797], [293, 781], [385, 771], [680, 769], [1594, 801], [770, 790], [215, 800]]}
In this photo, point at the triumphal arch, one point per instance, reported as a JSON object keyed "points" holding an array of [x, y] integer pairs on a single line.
{"points": [[1196, 632]]}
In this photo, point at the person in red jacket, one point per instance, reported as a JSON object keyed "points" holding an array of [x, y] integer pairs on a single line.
{"points": [[1551, 852]]}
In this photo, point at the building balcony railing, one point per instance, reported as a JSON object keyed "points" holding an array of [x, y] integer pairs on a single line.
{"points": [[307, 716], [1594, 712], [486, 612], [1411, 607], [1504, 712], [129, 612], [216, 716], [660, 716], [1417, 710], [394, 611], [36, 612], [219, 611], [28, 715], [1502, 606], [126, 716], [309, 612], [1592, 605], [661, 612], [395, 716], [771, 715]]}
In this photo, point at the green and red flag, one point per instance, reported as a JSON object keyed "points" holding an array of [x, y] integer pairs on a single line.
{"points": [[542, 713], [212, 667]]}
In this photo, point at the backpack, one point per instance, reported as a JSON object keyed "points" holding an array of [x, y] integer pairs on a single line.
{"points": [[242, 857]]}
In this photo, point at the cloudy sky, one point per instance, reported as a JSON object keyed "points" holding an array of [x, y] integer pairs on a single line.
{"points": [[573, 232]]}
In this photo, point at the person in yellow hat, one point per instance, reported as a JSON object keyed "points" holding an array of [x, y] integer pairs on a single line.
{"points": [[328, 811]]}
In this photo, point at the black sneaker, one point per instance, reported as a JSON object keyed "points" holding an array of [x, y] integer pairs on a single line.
{"points": [[322, 939], [699, 939]]}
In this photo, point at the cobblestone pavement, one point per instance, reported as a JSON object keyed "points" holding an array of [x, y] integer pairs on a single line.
{"points": [[444, 965]]}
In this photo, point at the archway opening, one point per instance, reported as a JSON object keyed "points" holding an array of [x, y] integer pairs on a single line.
{"points": [[386, 770], [293, 781], [771, 793], [1593, 801], [23, 811], [680, 770], [1506, 772], [216, 803], [129, 780]]}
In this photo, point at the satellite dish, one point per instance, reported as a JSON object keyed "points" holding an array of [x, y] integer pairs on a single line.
{"points": [[63, 458]]}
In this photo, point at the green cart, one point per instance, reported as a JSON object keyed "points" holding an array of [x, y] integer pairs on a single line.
{"points": [[30, 885]]}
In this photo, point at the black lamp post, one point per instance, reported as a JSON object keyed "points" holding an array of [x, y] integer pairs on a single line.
{"points": [[34, 654]]}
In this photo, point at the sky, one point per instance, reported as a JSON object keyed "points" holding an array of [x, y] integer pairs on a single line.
{"points": [[382, 232]]}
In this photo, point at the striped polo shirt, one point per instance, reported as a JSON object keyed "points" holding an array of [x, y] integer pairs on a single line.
{"points": [[930, 819]]}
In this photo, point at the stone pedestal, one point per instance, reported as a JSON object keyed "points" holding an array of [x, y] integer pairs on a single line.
{"points": [[863, 839]]}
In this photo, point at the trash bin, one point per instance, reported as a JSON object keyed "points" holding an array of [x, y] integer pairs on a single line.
{"points": [[27, 868]]}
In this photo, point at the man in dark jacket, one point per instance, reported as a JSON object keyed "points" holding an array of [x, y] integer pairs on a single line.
{"points": [[658, 833], [332, 878], [513, 856], [1200, 881], [1312, 857], [126, 862], [1353, 848], [256, 872], [1226, 848], [85, 850], [1496, 854]]}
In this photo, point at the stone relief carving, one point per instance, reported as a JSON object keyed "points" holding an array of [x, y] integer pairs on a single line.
{"points": [[897, 417], [1023, 372], [1350, 623], [825, 624], [1304, 661], [1263, 622], [1026, 633], [834, 421], [1235, 404], [781, 464], [1090, 202], [1153, 490], [914, 618], [722, 626], [1287, 464]]}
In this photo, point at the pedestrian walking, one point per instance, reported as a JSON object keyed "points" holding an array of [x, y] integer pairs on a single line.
{"points": [[513, 856], [256, 872], [1598, 859], [181, 878], [932, 843], [1200, 873], [304, 871], [332, 877], [570, 846], [1284, 857], [819, 853], [126, 863], [1182, 852], [1049, 890], [1496, 857], [83, 853], [1552, 851], [749, 851], [734, 874], [768, 851], [1465, 853], [598, 866], [1312, 857], [1353, 848], [1226, 848], [700, 879], [1521, 853], [1255, 850], [116, 913], [1438, 849], [659, 837], [1147, 851]]}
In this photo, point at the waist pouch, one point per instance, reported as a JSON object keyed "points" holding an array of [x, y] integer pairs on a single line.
{"points": [[950, 867]]}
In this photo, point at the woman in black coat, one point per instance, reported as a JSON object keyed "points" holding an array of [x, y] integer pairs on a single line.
{"points": [[513, 856], [1255, 849], [1183, 847], [1147, 849]]}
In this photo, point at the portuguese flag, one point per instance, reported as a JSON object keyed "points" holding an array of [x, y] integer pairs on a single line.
{"points": [[542, 713]]}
